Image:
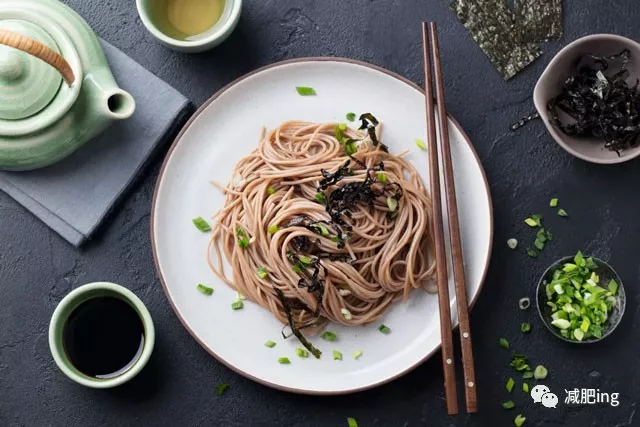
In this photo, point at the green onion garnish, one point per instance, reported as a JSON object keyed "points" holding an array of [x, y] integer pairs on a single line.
{"points": [[237, 305], [509, 404], [510, 384], [328, 336], [201, 224], [392, 203], [301, 352], [222, 388], [284, 360], [243, 240], [519, 420], [350, 147], [613, 287], [205, 289], [525, 327], [272, 229], [357, 354], [270, 344], [262, 273], [562, 212], [512, 243], [382, 178], [525, 387], [527, 375], [305, 259], [346, 313], [352, 422], [553, 203], [321, 198], [532, 252], [420, 144], [524, 303], [271, 190], [532, 222], [539, 244], [305, 91], [384, 329], [504, 343], [540, 372], [342, 126], [351, 117], [337, 355]]}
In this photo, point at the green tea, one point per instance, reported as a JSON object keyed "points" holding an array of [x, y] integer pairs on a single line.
{"points": [[186, 19]]}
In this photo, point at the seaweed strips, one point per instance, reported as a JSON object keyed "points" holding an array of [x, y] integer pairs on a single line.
{"points": [[510, 37]]}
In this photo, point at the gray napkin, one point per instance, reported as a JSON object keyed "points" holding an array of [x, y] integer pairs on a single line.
{"points": [[74, 196]]}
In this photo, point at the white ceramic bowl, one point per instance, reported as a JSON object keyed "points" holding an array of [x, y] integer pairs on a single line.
{"points": [[560, 68], [216, 35]]}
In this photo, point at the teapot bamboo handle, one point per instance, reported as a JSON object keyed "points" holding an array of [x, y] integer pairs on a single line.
{"points": [[39, 50]]}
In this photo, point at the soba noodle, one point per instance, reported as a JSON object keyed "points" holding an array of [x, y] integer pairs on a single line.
{"points": [[273, 203]]}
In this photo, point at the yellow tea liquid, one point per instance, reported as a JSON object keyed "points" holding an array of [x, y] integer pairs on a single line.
{"points": [[186, 19]]}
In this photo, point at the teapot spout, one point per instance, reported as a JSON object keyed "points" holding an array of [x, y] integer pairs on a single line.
{"points": [[120, 104]]}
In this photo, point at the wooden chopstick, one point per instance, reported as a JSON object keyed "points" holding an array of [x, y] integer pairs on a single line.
{"points": [[442, 281], [471, 398]]}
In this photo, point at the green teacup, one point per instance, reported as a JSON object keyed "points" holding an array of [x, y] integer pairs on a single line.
{"points": [[101, 335]]}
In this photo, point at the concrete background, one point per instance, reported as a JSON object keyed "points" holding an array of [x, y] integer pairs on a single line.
{"points": [[525, 169]]}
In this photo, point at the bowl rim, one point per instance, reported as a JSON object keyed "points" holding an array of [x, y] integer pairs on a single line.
{"points": [[220, 34], [621, 291], [541, 105]]}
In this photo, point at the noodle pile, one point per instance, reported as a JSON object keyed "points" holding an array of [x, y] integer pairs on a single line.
{"points": [[382, 257]]}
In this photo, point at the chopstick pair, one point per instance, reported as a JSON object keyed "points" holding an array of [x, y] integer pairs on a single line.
{"points": [[431, 52]]}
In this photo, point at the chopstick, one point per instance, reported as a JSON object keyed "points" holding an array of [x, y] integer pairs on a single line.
{"points": [[430, 39]]}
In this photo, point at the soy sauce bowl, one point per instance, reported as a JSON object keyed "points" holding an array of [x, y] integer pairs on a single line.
{"points": [[606, 273]]}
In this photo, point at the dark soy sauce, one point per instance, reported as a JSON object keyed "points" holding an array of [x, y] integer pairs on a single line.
{"points": [[103, 337]]}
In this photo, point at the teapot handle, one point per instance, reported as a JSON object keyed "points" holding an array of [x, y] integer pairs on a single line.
{"points": [[39, 50]]}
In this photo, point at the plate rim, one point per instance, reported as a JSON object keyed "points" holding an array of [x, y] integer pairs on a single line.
{"points": [[177, 141]]}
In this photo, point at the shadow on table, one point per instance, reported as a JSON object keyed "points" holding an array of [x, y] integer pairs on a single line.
{"points": [[144, 386]]}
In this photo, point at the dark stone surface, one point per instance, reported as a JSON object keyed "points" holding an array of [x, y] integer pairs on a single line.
{"points": [[37, 268]]}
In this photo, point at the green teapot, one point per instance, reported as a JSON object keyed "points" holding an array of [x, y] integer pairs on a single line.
{"points": [[56, 89]]}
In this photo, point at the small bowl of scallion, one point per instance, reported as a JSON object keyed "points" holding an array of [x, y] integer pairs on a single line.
{"points": [[581, 299]]}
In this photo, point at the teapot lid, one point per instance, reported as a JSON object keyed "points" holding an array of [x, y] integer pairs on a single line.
{"points": [[27, 84]]}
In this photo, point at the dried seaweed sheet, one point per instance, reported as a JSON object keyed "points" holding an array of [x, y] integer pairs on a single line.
{"points": [[539, 20], [492, 25]]}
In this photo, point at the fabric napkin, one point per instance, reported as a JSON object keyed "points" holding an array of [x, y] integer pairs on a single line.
{"points": [[74, 195]]}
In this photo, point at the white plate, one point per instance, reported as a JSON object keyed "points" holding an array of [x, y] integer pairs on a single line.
{"points": [[227, 128]]}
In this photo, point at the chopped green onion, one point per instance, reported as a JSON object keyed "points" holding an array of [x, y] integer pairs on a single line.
{"points": [[262, 272], [298, 268], [420, 144], [205, 289], [305, 260], [527, 375], [509, 404], [534, 221], [344, 292], [504, 343], [561, 323], [301, 352], [512, 243], [305, 91], [328, 336], [222, 388], [243, 240], [392, 203], [524, 303], [321, 198], [270, 344], [532, 253], [578, 334], [553, 203], [201, 224], [357, 354], [540, 372], [613, 287], [539, 244], [284, 360], [525, 387], [352, 422], [271, 190], [384, 329], [525, 327], [562, 212], [519, 420], [342, 126], [337, 355], [350, 147], [346, 313], [510, 384], [272, 229], [237, 305], [351, 117], [382, 178]]}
